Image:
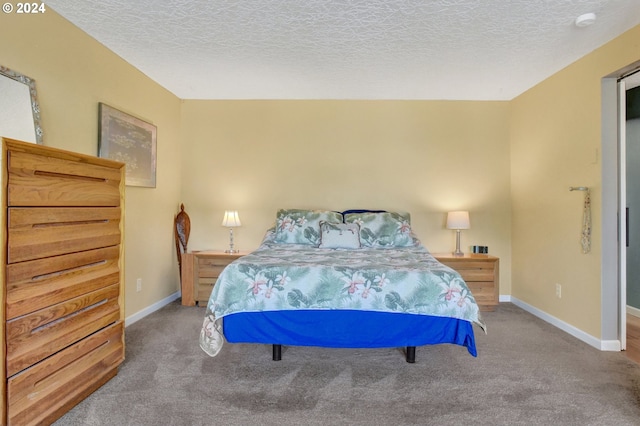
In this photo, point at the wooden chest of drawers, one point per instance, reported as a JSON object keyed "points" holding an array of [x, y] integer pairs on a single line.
{"points": [[200, 270], [63, 298], [481, 272]]}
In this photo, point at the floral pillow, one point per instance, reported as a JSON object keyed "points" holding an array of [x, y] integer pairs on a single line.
{"points": [[388, 229], [339, 235], [296, 226]]}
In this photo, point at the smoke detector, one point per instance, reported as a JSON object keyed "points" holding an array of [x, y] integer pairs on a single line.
{"points": [[585, 20]]}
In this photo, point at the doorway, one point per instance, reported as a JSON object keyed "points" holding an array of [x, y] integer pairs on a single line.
{"points": [[629, 90], [613, 256]]}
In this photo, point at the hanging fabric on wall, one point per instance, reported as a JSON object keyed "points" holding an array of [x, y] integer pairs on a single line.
{"points": [[585, 239], [585, 234]]}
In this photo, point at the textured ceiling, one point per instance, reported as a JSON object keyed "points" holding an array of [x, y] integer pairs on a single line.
{"points": [[349, 49]]}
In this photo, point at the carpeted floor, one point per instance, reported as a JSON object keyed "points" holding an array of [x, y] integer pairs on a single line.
{"points": [[527, 373]]}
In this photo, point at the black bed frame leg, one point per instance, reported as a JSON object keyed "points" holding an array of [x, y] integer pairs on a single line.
{"points": [[411, 354], [277, 352]]}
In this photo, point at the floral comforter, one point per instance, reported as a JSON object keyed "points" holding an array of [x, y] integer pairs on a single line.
{"points": [[297, 276]]}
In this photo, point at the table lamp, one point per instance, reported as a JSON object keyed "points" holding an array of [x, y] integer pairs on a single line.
{"points": [[231, 220], [458, 220]]}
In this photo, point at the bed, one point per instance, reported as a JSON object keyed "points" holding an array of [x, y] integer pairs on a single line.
{"points": [[353, 279]]}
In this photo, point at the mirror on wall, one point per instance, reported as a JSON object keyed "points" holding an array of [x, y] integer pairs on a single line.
{"points": [[19, 109]]}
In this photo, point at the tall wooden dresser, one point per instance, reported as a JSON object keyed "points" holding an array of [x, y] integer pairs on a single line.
{"points": [[62, 280]]}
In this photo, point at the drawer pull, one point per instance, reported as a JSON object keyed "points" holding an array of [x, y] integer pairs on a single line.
{"points": [[67, 271], [61, 366], [68, 176], [79, 222], [68, 317]]}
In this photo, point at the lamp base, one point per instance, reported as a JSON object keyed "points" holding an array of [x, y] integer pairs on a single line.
{"points": [[231, 250], [458, 252]]}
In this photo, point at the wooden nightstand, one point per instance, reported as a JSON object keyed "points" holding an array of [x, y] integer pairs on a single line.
{"points": [[200, 270], [481, 272]]}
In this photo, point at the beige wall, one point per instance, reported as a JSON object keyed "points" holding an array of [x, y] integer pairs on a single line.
{"points": [[509, 163], [73, 73], [422, 157], [555, 144]]}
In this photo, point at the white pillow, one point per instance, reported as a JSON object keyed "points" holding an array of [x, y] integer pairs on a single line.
{"points": [[339, 235]]}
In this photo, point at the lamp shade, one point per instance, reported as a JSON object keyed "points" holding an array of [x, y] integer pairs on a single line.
{"points": [[231, 219], [458, 220]]}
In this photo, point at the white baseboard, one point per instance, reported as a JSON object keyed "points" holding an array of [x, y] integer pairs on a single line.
{"points": [[151, 309], [633, 311], [610, 345], [603, 345]]}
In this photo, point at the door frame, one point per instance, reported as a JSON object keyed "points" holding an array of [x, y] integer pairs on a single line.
{"points": [[613, 281], [622, 209], [626, 83]]}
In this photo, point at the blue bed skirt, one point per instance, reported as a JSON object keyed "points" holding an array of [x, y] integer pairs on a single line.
{"points": [[346, 329]]}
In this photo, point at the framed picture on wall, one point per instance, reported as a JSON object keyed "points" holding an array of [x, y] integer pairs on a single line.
{"points": [[129, 140]]}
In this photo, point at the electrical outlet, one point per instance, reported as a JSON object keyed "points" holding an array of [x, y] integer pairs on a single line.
{"points": [[139, 284], [558, 291]]}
